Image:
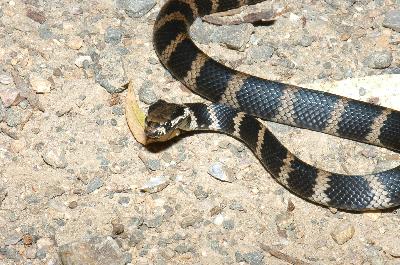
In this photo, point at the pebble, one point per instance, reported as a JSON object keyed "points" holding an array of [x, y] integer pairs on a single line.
{"points": [[80, 60], [305, 40], [94, 184], [285, 221], [73, 204], [5, 79], [221, 172], [153, 164], [380, 60], [184, 248], [136, 8], [75, 43], [136, 237], [55, 158], [37, 16], [200, 193], [27, 239], [343, 233], [233, 36], [190, 221], [155, 184], [40, 85], [146, 93], [253, 258], [219, 219], [228, 224], [45, 32], [113, 36], [154, 222], [392, 20], [167, 253], [96, 250], [10, 97], [117, 228], [13, 116], [259, 53]]}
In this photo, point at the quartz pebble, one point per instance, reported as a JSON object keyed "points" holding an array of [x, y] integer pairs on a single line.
{"points": [[155, 184], [40, 85], [342, 233]]}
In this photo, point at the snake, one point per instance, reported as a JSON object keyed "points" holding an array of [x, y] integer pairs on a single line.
{"points": [[239, 100]]}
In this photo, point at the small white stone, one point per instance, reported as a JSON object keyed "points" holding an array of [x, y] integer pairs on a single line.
{"points": [[155, 185], [79, 61], [219, 219], [40, 85], [55, 158], [221, 172], [75, 43]]}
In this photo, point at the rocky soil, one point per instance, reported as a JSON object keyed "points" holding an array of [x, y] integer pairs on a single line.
{"points": [[75, 187]]}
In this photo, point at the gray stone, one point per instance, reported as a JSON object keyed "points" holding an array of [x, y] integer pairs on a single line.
{"points": [[113, 36], [259, 53], [154, 222], [109, 72], [228, 224], [200, 193], [97, 250], [146, 93], [392, 20], [190, 221], [45, 32], [124, 200], [306, 40], [153, 164], [221, 172], [136, 8], [118, 110], [184, 248], [13, 116], [202, 32], [254, 258], [94, 184], [379, 60], [55, 158], [233, 36], [136, 237]]}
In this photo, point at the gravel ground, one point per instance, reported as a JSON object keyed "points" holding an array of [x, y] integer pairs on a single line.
{"points": [[75, 187]]}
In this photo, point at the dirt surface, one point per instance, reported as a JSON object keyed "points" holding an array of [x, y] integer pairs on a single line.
{"points": [[72, 176]]}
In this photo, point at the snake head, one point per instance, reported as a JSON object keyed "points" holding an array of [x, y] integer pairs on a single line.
{"points": [[165, 120]]}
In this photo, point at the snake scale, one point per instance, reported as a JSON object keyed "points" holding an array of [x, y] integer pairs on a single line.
{"points": [[239, 98]]}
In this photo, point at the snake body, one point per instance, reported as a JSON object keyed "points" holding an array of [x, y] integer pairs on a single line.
{"points": [[239, 96]]}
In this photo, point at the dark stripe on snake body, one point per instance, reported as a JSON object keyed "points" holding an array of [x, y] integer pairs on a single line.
{"points": [[182, 58], [182, 7], [304, 108], [168, 33], [389, 133], [266, 102], [210, 87], [302, 178], [249, 131], [356, 120], [349, 191], [203, 6]]}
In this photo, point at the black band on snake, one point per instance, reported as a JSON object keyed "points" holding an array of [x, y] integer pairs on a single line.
{"points": [[240, 97]]}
